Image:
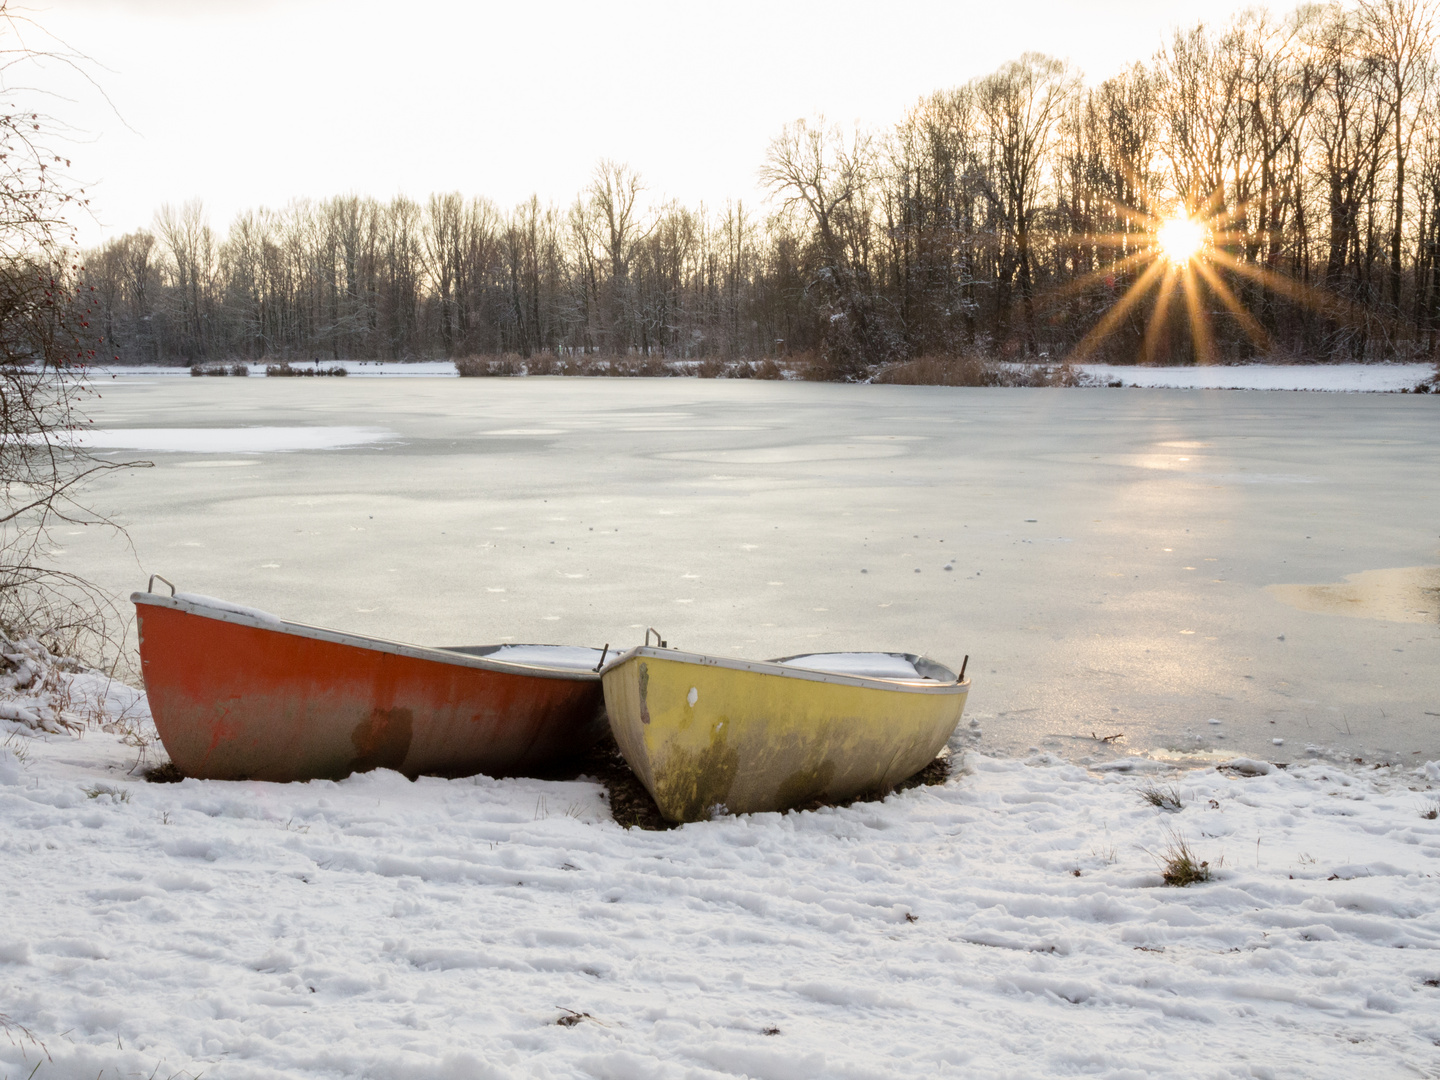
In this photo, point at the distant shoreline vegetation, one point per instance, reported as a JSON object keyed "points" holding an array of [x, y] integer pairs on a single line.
{"points": [[927, 371], [1264, 189]]}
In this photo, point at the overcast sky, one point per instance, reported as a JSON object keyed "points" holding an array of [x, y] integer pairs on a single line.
{"points": [[256, 103]]}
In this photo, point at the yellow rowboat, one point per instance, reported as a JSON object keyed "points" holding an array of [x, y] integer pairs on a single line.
{"points": [[703, 732]]}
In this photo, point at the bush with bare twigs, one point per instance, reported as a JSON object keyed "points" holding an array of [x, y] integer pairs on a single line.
{"points": [[46, 347]]}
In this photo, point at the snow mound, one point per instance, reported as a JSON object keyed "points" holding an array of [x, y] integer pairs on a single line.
{"points": [[874, 665], [570, 657], [201, 601]]}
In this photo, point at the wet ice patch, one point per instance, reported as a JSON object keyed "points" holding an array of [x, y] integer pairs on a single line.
{"points": [[1404, 594]]}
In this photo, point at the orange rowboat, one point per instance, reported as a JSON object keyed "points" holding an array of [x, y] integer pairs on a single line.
{"points": [[238, 694]]}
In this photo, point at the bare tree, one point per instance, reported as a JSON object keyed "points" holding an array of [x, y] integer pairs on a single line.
{"points": [[612, 229], [190, 244], [818, 168], [934, 217], [1022, 105], [1427, 275], [1348, 132], [1400, 37]]}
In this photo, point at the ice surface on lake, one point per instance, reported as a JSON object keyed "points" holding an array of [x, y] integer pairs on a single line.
{"points": [[1010, 922], [243, 440], [1148, 522], [875, 665]]}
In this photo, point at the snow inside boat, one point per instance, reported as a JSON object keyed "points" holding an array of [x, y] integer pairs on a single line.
{"points": [[240, 694], [702, 731]]}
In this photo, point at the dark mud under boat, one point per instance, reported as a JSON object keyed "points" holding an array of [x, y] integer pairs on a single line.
{"points": [[238, 694]]}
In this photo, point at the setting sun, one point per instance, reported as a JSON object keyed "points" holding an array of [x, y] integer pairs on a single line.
{"points": [[1180, 239]]}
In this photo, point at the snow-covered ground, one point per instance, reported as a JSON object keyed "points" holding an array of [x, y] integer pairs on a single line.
{"points": [[1351, 378], [1010, 923]]}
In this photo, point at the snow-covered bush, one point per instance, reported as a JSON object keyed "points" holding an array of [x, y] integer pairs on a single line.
{"points": [[33, 689]]}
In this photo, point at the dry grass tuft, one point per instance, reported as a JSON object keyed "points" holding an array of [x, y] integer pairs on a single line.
{"points": [[618, 367], [19, 1035], [715, 368], [974, 371], [1164, 798], [283, 370], [479, 367], [165, 773], [648, 367], [1180, 866]]}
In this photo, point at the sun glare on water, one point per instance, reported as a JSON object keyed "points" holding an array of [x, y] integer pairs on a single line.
{"points": [[1180, 239]]}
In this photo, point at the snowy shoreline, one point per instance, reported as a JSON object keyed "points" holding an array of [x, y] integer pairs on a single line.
{"points": [[1328, 378], [1377, 378], [1009, 922]]}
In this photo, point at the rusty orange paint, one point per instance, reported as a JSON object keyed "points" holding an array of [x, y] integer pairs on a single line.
{"points": [[236, 702]]}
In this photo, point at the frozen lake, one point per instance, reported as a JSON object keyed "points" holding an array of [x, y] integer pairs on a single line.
{"points": [[1111, 550]]}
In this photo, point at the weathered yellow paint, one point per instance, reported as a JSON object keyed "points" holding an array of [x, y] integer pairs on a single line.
{"points": [[754, 737]]}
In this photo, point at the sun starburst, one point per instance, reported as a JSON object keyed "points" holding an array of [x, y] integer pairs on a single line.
{"points": [[1196, 255], [1180, 239]]}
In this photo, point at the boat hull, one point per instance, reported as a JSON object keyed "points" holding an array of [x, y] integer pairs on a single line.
{"points": [[234, 699], [702, 733]]}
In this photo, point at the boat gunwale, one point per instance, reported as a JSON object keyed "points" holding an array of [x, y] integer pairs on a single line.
{"points": [[771, 667], [360, 641]]}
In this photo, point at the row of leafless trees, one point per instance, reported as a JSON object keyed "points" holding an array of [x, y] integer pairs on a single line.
{"points": [[1006, 216]]}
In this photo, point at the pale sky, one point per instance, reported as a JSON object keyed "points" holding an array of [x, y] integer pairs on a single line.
{"points": [[244, 104]]}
